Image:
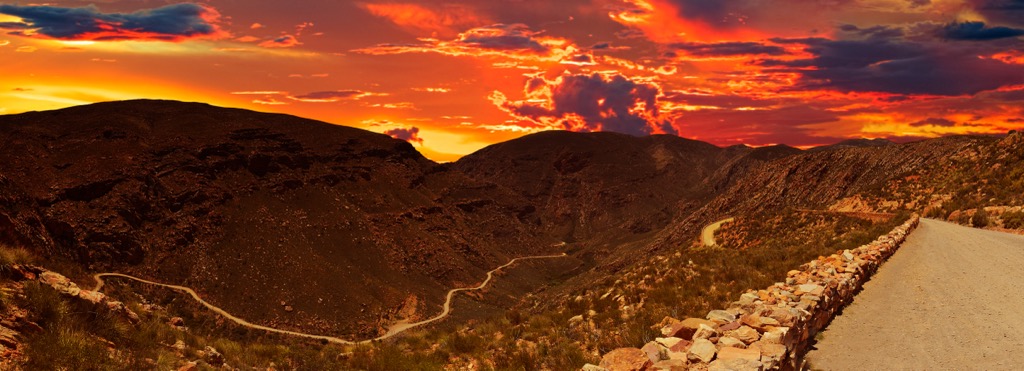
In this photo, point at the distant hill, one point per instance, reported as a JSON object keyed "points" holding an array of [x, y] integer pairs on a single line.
{"points": [[855, 143]]}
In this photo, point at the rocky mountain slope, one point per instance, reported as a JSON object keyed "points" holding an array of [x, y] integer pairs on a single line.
{"points": [[246, 207]]}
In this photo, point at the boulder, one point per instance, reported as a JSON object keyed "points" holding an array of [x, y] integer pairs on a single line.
{"points": [[775, 335], [213, 357], [671, 365], [729, 341], [626, 359], [746, 334], [702, 350], [654, 351], [721, 316], [94, 297], [668, 342], [726, 354], [686, 328], [705, 332]]}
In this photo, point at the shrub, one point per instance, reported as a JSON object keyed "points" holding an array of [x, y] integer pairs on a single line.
{"points": [[980, 218], [1013, 220], [10, 256]]}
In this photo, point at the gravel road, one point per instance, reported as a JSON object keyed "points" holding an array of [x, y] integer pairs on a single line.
{"points": [[952, 298]]}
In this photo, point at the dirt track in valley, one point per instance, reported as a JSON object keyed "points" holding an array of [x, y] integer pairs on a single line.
{"points": [[707, 236], [394, 330], [950, 299]]}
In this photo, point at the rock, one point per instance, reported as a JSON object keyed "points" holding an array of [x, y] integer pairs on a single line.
{"points": [[721, 316], [654, 351], [626, 359], [775, 335], [771, 354], [729, 341], [668, 342], [213, 357], [689, 326], [576, 319], [671, 365], [726, 354], [736, 365], [702, 350], [680, 347], [179, 346], [705, 332], [92, 296], [745, 333], [729, 326], [288, 308], [189, 366], [590, 367], [810, 288], [748, 299]]}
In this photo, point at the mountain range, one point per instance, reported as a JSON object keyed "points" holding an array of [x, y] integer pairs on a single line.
{"points": [[295, 223]]}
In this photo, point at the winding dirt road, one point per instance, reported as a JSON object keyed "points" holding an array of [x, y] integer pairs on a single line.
{"points": [[394, 330], [708, 235], [949, 299]]}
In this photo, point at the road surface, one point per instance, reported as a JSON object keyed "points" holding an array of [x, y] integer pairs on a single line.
{"points": [[394, 330], [952, 298], [708, 235]]}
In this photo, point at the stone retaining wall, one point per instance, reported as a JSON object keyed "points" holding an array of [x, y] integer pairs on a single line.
{"points": [[768, 329]]}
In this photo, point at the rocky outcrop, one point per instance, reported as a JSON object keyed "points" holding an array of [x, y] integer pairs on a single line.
{"points": [[65, 287], [771, 328]]}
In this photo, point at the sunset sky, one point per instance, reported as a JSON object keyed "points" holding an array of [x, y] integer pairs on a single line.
{"points": [[453, 76]]}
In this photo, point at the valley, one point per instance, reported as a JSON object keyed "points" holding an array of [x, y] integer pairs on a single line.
{"points": [[275, 224]]}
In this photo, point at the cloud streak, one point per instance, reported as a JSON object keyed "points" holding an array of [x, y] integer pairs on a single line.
{"points": [[177, 22]]}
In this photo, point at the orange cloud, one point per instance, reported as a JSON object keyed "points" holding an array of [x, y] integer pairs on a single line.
{"points": [[659, 21], [446, 21], [515, 41]]}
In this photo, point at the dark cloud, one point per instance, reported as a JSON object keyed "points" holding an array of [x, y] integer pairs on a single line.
{"points": [[1001, 11], [169, 23], [977, 31], [285, 41], [711, 11], [411, 134], [724, 49], [934, 121], [896, 65], [502, 37], [593, 103]]}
